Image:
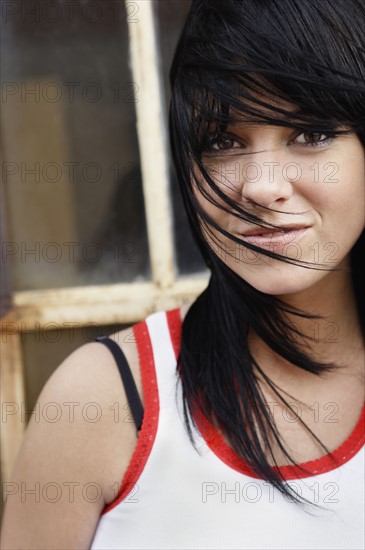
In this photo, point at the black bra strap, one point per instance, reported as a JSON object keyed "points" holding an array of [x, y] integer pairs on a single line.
{"points": [[131, 391]]}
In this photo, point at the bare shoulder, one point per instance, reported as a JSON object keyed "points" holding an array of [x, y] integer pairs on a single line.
{"points": [[78, 443], [76, 448], [116, 431]]}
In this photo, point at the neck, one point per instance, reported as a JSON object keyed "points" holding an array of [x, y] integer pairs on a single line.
{"points": [[336, 334]]}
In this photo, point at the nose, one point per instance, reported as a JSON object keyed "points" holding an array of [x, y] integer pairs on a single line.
{"points": [[266, 182]]}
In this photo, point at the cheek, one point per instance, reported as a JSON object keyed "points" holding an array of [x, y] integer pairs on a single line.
{"points": [[339, 202], [337, 186], [347, 195], [212, 210]]}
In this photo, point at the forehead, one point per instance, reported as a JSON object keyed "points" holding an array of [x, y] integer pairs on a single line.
{"points": [[256, 105], [265, 105]]}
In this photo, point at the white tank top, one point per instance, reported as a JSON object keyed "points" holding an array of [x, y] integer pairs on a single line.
{"points": [[173, 497]]}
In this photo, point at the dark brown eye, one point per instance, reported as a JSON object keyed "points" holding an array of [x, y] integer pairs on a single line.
{"points": [[312, 138], [222, 143]]}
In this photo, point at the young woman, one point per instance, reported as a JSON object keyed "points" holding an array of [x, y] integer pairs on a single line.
{"points": [[252, 396]]}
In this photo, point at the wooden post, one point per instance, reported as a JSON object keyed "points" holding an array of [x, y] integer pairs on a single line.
{"points": [[12, 401]]}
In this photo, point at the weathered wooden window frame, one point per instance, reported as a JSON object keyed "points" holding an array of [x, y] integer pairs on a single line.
{"points": [[107, 304]]}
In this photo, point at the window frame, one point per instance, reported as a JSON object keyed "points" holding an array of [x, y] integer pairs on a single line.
{"points": [[123, 303]]}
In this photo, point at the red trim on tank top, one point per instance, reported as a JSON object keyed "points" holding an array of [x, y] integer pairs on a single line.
{"points": [[148, 429], [224, 452]]}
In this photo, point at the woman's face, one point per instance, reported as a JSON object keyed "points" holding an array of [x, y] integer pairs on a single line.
{"points": [[311, 186]]}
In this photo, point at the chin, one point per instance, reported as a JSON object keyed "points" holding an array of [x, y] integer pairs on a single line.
{"points": [[279, 280]]}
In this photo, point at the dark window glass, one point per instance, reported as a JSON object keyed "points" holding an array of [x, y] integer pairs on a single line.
{"points": [[71, 171]]}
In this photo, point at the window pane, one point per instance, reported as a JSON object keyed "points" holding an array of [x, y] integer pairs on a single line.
{"points": [[170, 17], [72, 178]]}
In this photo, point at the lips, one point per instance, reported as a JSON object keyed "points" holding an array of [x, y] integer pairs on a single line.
{"points": [[274, 237]]}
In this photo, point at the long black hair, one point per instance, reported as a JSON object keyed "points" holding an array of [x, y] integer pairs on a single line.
{"points": [[230, 56]]}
